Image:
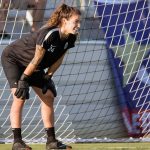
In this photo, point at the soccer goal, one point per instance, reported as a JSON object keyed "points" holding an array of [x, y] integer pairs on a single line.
{"points": [[103, 83]]}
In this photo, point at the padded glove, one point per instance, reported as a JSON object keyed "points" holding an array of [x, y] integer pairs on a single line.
{"points": [[49, 84], [22, 90]]}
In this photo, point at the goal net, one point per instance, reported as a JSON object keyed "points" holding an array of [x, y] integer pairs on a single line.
{"points": [[126, 27], [103, 83]]}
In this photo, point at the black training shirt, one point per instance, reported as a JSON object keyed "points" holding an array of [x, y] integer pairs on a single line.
{"points": [[23, 49]]}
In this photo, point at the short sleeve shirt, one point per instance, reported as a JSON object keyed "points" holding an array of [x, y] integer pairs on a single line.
{"points": [[23, 49]]}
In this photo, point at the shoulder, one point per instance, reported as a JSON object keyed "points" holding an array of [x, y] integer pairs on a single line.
{"points": [[53, 33], [50, 32], [47, 35]]}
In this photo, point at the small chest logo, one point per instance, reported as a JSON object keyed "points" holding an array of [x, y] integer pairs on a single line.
{"points": [[66, 45], [51, 49]]}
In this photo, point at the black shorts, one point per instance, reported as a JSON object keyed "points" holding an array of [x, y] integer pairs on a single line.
{"points": [[13, 71]]}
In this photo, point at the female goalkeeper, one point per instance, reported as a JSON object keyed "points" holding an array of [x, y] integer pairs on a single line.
{"points": [[24, 62]]}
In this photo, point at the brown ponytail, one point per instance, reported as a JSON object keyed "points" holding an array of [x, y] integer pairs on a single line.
{"points": [[63, 11]]}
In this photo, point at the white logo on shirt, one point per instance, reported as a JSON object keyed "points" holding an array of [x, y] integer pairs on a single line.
{"points": [[66, 45], [51, 49]]}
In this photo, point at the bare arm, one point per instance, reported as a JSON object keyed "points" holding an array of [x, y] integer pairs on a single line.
{"points": [[39, 53], [55, 66]]}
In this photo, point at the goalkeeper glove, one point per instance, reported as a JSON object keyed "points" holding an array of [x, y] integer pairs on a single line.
{"points": [[49, 84], [22, 90]]}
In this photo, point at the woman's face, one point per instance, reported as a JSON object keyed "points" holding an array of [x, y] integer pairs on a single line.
{"points": [[72, 24]]}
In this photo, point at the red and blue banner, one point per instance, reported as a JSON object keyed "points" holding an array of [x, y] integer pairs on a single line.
{"points": [[127, 35]]}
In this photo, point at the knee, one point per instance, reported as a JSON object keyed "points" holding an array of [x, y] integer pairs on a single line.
{"points": [[17, 106], [48, 98], [51, 98], [49, 102]]}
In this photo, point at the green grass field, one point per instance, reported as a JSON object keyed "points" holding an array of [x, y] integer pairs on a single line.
{"points": [[97, 146]]}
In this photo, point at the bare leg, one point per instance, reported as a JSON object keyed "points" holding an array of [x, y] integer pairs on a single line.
{"points": [[16, 111], [47, 110], [16, 118]]}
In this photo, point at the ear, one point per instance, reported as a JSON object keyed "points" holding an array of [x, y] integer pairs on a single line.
{"points": [[64, 20]]}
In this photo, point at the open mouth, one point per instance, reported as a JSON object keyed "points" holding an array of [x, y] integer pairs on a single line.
{"points": [[76, 30]]}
